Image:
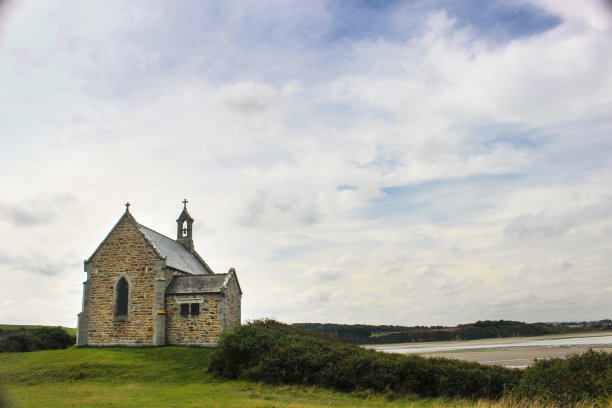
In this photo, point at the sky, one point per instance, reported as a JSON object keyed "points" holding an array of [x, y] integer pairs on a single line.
{"points": [[402, 162]]}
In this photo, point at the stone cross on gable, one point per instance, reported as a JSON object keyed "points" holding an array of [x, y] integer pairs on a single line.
{"points": [[127, 207], [185, 203]]}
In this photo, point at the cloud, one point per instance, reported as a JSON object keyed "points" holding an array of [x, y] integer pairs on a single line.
{"points": [[43, 208], [248, 98], [280, 209], [539, 271], [393, 163], [537, 226], [442, 283], [36, 263], [346, 187], [323, 274]]}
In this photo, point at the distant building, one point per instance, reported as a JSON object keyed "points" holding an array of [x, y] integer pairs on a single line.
{"points": [[145, 289]]}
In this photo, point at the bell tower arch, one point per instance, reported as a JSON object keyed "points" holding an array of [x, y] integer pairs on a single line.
{"points": [[184, 228]]}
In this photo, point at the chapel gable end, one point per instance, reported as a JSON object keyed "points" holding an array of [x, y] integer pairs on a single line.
{"points": [[122, 245]]}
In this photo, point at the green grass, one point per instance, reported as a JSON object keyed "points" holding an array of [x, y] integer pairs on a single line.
{"points": [[11, 327], [160, 377]]}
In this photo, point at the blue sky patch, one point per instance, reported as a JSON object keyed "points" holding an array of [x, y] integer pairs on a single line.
{"points": [[440, 200], [501, 21], [344, 187], [496, 20]]}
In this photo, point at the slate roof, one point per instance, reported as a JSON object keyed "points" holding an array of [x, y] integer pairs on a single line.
{"points": [[177, 256], [191, 284]]}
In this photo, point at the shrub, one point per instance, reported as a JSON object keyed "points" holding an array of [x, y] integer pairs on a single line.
{"points": [[53, 338], [273, 352], [586, 377], [19, 342], [43, 338]]}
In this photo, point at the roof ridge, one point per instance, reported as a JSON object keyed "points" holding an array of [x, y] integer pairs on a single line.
{"points": [[149, 240], [192, 275], [195, 253], [162, 242], [158, 233]]}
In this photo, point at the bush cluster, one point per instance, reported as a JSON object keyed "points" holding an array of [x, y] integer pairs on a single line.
{"points": [[273, 352], [43, 338], [586, 377]]}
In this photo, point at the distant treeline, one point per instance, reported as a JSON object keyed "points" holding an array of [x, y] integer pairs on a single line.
{"points": [[40, 338], [369, 334]]}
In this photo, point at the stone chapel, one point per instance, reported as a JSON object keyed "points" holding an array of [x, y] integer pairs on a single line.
{"points": [[145, 289]]}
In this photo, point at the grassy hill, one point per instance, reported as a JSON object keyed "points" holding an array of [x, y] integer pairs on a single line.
{"points": [[173, 377], [160, 377]]}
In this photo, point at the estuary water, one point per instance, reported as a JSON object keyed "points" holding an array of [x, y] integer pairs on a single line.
{"points": [[592, 341], [516, 352]]}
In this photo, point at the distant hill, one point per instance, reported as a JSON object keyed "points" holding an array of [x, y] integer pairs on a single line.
{"points": [[371, 334]]}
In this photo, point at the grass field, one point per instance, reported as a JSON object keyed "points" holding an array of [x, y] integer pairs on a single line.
{"points": [[159, 377], [11, 327], [165, 377]]}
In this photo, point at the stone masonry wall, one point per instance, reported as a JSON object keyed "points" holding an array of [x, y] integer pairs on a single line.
{"points": [[232, 303], [170, 272], [202, 329], [125, 252]]}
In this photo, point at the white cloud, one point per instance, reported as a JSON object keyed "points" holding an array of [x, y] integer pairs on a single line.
{"points": [[42, 208], [536, 226]]}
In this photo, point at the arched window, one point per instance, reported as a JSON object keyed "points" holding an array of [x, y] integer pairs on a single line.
{"points": [[122, 293]]}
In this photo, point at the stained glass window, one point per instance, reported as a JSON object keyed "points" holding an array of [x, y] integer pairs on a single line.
{"points": [[123, 292]]}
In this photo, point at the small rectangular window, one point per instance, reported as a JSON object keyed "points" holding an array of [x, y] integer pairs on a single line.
{"points": [[185, 309], [195, 309]]}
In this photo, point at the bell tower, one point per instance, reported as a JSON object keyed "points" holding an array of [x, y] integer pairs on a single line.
{"points": [[184, 228]]}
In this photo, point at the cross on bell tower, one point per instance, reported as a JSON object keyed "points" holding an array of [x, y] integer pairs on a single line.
{"points": [[183, 230]]}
